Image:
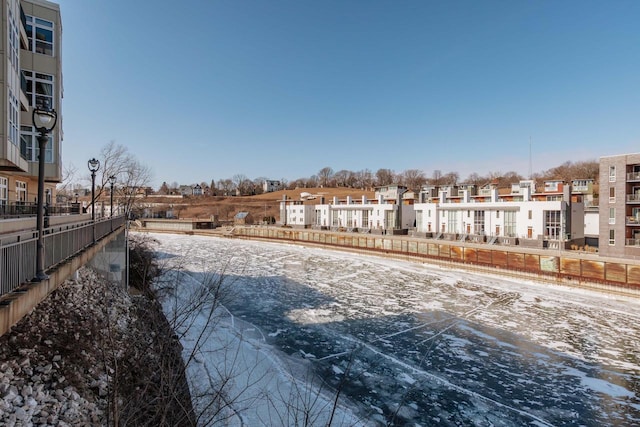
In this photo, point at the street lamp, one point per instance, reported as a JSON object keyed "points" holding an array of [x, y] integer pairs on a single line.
{"points": [[44, 120], [112, 181], [93, 165]]}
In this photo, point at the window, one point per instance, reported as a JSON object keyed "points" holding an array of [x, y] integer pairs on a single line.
{"points": [[365, 218], [21, 191], [39, 88], [452, 220], [14, 131], [389, 220], [553, 224], [497, 214], [510, 224], [41, 31], [612, 174], [349, 218], [530, 214], [612, 194], [478, 222], [612, 215], [29, 147], [318, 220], [4, 191], [612, 237]]}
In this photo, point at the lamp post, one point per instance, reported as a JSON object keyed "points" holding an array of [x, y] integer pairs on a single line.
{"points": [[112, 181], [76, 197], [44, 120], [93, 165]]}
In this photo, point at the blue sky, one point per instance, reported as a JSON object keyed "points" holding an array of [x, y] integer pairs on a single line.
{"points": [[201, 90]]}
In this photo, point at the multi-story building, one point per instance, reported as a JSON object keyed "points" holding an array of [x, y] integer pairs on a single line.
{"points": [[521, 216], [388, 213], [620, 205], [269, 185], [31, 56]]}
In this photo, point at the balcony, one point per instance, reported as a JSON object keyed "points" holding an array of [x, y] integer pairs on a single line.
{"points": [[633, 198], [633, 176], [632, 242], [633, 221]]}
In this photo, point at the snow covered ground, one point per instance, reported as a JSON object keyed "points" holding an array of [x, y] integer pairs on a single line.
{"points": [[405, 343]]}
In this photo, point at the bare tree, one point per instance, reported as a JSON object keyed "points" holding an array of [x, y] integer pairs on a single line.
{"points": [[324, 175], [341, 178], [226, 186], [242, 184], [68, 186], [384, 177], [436, 177], [474, 178], [450, 178], [364, 179], [132, 177], [414, 179]]}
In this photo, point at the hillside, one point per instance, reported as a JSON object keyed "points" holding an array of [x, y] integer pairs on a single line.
{"points": [[259, 206]]}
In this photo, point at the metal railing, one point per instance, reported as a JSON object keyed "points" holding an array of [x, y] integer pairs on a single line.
{"points": [[27, 209], [18, 250]]}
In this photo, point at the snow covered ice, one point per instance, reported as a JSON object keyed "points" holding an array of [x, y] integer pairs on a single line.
{"points": [[408, 343]]}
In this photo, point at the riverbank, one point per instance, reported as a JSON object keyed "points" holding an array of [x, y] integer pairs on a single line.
{"points": [[84, 354], [570, 268]]}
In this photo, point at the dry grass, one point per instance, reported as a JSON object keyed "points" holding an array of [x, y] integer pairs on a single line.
{"points": [[258, 206]]}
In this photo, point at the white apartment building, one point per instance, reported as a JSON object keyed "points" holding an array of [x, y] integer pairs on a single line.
{"points": [[386, 214], [509, 219]]}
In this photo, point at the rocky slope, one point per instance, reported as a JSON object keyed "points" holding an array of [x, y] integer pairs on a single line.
{"points": [[91, 355]]}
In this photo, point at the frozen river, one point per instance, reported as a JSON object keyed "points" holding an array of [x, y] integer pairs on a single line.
{"points": [[415, 344]]}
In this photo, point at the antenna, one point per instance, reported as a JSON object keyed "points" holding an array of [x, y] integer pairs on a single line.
{"points": [[530, 161]]}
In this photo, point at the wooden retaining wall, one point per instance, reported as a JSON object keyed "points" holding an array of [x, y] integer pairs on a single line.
{"points": [[573, 268]]}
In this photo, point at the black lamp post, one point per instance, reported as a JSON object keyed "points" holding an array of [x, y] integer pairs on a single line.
{"points": [[93, 165], [112, 181], [44, 120], [76, 197]]}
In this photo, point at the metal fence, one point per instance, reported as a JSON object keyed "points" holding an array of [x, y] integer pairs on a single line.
{"points": [[18, 250]]}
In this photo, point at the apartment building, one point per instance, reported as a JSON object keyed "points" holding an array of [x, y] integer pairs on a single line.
{"points": [[31, 56], [387, 213], [620, 206], [548, 218]]}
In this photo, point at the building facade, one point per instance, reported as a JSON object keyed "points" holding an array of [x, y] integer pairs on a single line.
{"points": [[31, 36], [620, 206], [519, 217], [388, 213]]}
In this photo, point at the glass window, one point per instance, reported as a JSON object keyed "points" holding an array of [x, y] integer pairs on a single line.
{"points": [[612, 194], [612, 215], [478, 222], [612, 237], [40, 35], [29, 147], [39, 88], [452, 220], [21, 191], [530, 214], [612, 173], [4, 191], [553, 224], [510, 224]]}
